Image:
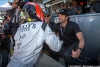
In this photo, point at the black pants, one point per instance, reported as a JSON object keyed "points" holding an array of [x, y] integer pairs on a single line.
{"points": [[13, 32], [66, 52], [49, 52], [4, 58]]}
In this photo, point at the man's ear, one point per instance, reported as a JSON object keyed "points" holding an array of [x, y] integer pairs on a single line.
{"points": [[50, 16], [67, 17]]}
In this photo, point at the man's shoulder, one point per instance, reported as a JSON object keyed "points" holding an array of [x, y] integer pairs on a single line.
{"points": [[94, 3], [52, 23], [57, 24], [72, 23], [79, 6]]}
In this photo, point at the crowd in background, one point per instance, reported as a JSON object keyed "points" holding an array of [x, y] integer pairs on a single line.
{"points": [[75, 8], [71, 9]]}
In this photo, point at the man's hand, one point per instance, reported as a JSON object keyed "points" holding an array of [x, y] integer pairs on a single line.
{"points": [[10, 3], [76, 54]]}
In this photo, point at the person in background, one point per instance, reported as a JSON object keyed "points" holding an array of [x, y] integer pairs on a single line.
{"points": [[95, 7], [66, 6], [47, 19], [14, 17], [15, 7], [75, 8], [46, 49], [4, 48], [71, 35]]}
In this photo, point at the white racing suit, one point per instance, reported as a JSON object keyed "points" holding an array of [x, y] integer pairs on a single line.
{"points": [[29, 40], [5, 7]]}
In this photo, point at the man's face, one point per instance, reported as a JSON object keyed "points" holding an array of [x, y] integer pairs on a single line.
{"points": [[74, 3], [47, 18], [14, 5], [65, 6], [62, 18], [3, 36]]}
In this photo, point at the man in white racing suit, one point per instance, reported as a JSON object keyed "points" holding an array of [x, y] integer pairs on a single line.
{"points": [[30, 37]]}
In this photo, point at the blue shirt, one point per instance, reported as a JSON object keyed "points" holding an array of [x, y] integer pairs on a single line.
{"points": [[73, 11], [95, 6]]}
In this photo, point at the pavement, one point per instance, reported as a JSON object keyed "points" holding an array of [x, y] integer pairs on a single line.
{"points": [[47, 61]]}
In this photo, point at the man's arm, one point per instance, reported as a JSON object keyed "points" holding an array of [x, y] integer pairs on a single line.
{"points": [[81, 40], [79, 35], [52, 40], [79, 11], [76, 53]]}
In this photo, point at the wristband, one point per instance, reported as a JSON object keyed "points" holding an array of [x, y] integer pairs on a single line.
{"points": [[76, 48], [79, 48]]}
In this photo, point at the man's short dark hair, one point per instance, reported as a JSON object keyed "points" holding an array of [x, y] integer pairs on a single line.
{"points": [[63, 12]]}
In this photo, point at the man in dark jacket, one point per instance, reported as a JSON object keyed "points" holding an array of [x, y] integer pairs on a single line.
{"points": [[46, 49], [47, 18]]}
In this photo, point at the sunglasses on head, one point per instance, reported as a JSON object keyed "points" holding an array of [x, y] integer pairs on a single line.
{"points": [[46, 15]]}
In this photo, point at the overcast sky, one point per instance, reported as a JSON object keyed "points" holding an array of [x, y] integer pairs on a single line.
{"points": [[5, 1]]}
